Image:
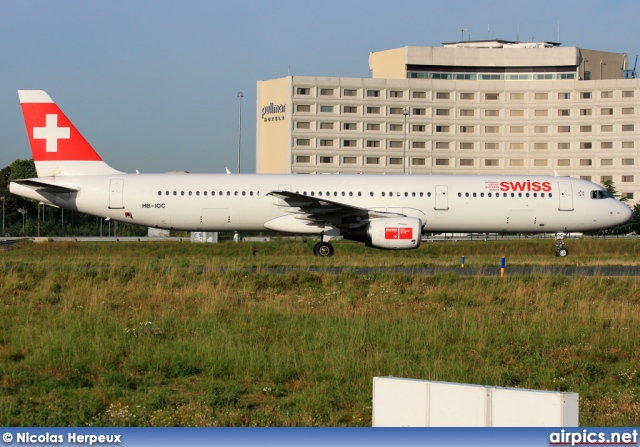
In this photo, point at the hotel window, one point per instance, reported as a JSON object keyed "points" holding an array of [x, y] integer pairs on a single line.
{"points": [[420, 95], [491, 146], [541, 96], [418, 161], [541, 129], [466, 162], [349, 143], [418, 128], [606, 162], [395, 144], [585, 112], [516, 112], [371, 126], [442, 162], [303, 91], [516, 162], [349, 160], [395, 161], [564, 95], [325, 143], [419, 111], [562, 146], [467, 96], [627, 127], [373, 93], [326, 92], [303, 125], [606, 111], [627, 178], [442, 128], [466, 145], [303, 159], [541, 146], [491, 113], [516, 129], [491, 129], [302, 142], [373, 110], [467, 112], [585, 95], [606, 95], [564, 112], [395, 94], [373, 160], [418, 145], [325, 160], [395, 127], [349, 92], [628, 145], [626, 195], [326, 109], [395, 110], [492, 162], [350, 109], [540, 162], [373, 143], [442, 112], [516, 96], [627, 161], [564, 129], [586, 162], [350, 126], [586, 145], [628, 94], [442, 145], [627, 110], [564, 162], [326, 126], [606, 145], [606, 178], [467, 129], [303, 108], [586, 128], [491, 96], [442, 95], [606, 128], [585, 177], [541, 112], [516, 146]]}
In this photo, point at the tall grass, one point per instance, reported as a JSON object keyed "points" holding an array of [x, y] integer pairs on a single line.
{"points": [[160, 335]]}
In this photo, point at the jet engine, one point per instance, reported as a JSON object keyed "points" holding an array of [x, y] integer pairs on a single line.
{"points": [[393, 233]]}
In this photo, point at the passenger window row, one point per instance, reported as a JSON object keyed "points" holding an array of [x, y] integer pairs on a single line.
{"points": [[504, 194]]}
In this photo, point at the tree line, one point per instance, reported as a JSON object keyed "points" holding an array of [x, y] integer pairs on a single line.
{"points": [[25, 217]]}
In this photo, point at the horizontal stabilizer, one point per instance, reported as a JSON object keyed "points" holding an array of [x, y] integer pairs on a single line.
{"points": [[46, 187]]}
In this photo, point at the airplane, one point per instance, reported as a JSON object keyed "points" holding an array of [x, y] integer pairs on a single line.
{"points": [[383, 211]]}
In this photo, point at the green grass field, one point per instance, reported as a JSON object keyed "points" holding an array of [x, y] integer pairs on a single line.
{"points": [[180, 334]]}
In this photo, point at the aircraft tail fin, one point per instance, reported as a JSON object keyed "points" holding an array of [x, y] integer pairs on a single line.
{"points": [[58, 148]]}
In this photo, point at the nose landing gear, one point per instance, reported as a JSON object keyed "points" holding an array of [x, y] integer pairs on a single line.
{"points": [[561, 250]]}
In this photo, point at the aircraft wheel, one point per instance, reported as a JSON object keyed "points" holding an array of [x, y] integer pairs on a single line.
{"points": [[562, 252], [323, 249]]}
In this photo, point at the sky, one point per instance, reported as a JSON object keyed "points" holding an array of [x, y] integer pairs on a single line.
{"points": [[153, 84]]}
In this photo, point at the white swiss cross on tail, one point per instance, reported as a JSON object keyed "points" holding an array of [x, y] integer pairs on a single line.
{"points": [[51, 133]]}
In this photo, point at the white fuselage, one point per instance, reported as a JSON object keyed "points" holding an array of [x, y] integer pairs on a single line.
{"points": [[443, 203]]}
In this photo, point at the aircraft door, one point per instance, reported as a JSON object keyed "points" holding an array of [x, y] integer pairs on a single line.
{"points": [[116, 187], [442, 201], [566, 196]]}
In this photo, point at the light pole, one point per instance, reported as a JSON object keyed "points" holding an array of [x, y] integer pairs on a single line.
{"points": [[405, 112], [240, 96], [3, 200], [22, 211]]}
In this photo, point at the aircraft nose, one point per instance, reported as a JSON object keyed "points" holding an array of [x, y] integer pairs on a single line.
{"points": [[622, 213]]}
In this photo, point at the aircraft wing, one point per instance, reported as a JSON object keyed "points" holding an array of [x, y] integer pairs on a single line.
{"points": [[46, 187], [318, 209]]}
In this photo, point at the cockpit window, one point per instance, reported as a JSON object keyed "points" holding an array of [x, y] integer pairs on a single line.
{"points": [[601, 194]]}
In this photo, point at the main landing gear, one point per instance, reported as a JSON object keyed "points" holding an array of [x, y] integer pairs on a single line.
{"points": [[561, 250], [323, 249]]}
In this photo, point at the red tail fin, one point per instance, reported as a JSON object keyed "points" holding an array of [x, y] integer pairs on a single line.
{"points": [[57, 146]]}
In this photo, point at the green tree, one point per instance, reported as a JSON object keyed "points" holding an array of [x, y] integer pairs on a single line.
{"points": [[609, 186]]}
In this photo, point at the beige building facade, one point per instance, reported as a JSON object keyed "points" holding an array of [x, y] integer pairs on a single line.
{"points": [[467, 107]]}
